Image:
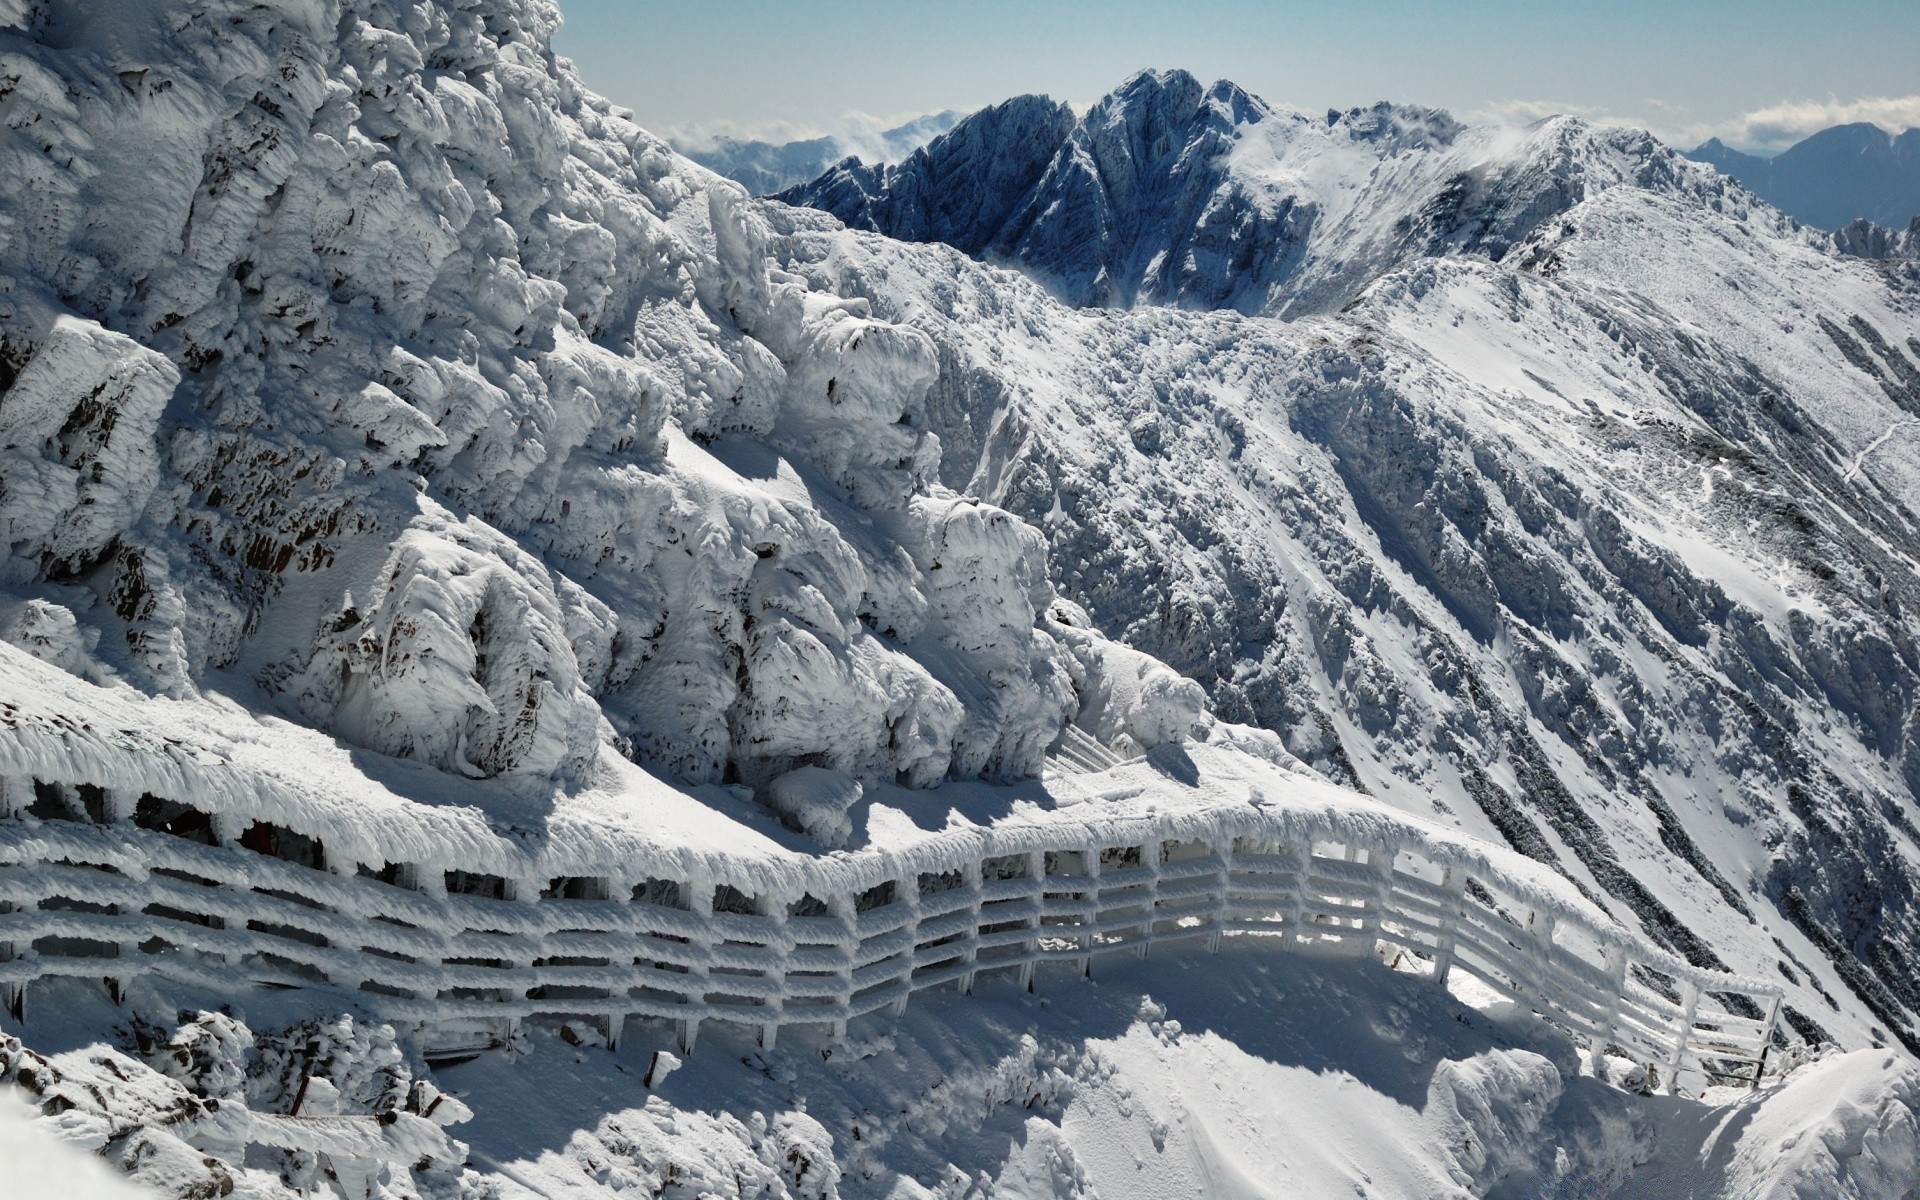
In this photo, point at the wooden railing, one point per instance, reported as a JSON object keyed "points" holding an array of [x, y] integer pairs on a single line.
{"points": [[465, 955]]}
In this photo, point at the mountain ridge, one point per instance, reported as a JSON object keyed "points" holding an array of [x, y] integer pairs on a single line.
{"points": [[1168, 191], [1832, 178]]}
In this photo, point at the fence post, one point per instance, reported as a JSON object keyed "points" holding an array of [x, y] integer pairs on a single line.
{"points": [[1380, 866], [840, 905], [1540, 927], [972, 874], [12, 995], [780, 949], [1689, 1008], [1453, 882], [1037, 872], [1616, 968], [1223, 846], [1090, 921], [1766, 1041], [699, 894], [1150, 851], [907, 892]]}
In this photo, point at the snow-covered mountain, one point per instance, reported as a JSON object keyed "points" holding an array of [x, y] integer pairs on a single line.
{"points": [[765, 167], [1170, 192], [1833, 178], [478, 586], [1596, 534]]}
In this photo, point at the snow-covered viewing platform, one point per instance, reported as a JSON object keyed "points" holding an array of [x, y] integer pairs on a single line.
{"points": [[297, 865]]}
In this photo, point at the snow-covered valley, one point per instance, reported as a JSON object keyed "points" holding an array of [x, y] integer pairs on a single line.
{"points": [[525, 672]]}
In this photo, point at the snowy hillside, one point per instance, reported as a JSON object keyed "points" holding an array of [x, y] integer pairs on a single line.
{"points": [[1606, 548], [495, 632]]}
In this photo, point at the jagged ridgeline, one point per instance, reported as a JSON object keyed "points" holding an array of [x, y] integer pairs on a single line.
{"points": [[1577, 498]]}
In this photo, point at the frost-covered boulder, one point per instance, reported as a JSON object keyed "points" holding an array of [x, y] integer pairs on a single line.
{"points": [[464, 656], [49, 632], [78, 461], [1127, 699], [1846, 1128], [818, 802]]}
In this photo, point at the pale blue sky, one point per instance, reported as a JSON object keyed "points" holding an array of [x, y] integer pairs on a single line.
{"points": [[1686, 69]]}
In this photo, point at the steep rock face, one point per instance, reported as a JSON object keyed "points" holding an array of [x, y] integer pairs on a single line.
{"points": [[961, 189], [1606, 548], [355, 355], [1848, 173], [1170, 192]]}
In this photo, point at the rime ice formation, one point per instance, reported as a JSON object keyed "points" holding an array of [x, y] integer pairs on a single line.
{"points": [[416, 385], [474, 580]]}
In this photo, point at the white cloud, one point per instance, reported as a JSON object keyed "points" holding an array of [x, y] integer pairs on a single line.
{"points": [[1772, 128], [858, 132], [1784, 124]]}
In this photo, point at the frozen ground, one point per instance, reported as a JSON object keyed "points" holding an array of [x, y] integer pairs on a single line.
{"points": [[1235, 1075]]}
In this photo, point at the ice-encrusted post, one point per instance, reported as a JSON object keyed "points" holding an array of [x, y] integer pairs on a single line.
{"points": [[1766, 1040], [1090, 910], [1689, 1009], [971, 875], [1380, 866], [700, 902], [1037, 873], [906, 893], [1223, 846], [780, 949], [841, 906], [1616, 969], [1150, 851], [1540, 925], [1453, 885], [12, 995], [1292, 936]]}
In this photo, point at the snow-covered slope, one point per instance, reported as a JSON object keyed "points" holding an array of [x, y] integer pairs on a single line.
{"points": [[412, 391], [1606, 547], [1170, 192], [461, 558]]}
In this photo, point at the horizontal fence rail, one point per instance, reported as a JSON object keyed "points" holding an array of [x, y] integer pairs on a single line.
{"points": [[98, 885]]}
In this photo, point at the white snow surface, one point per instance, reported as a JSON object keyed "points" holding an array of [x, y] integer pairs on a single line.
{"points": [[401, 446]]}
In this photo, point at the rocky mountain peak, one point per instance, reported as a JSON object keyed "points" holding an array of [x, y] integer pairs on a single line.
{"points": [[1170, 191]]}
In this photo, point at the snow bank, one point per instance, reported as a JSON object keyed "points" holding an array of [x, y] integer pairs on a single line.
{"points": [[1845, 1127]]}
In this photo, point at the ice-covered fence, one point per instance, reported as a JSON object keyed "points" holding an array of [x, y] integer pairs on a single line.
{"points": [[95, 884]]}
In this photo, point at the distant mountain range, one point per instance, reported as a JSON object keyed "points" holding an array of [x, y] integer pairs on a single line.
{"points": [[1839, 175], [1169, 191], [764, 167]]}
